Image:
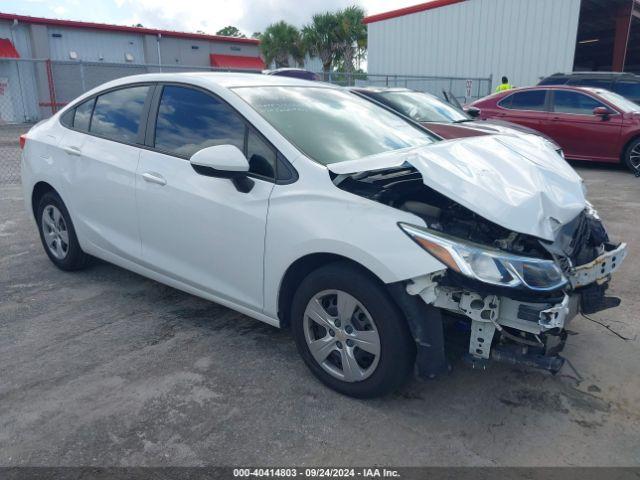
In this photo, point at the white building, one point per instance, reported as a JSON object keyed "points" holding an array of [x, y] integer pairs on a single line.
{"points": [[522, 39]]}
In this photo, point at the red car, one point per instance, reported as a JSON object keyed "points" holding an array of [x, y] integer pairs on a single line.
{"points": [[439, 117], [588, 123]]}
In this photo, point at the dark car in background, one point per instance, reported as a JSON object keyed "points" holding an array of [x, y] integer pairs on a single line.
{"points": [[293, 72], [625, 84], [588, 123], [440, 117]]}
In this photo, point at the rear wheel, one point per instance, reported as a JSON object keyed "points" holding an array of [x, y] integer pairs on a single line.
{"points": [[350, 333], [58, 235], [632, 156]]}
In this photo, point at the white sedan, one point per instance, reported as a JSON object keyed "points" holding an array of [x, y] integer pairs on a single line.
{"points": [[307, 207]]}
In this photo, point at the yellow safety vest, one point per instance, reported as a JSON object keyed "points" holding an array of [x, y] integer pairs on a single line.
{"points": [[504, 86]]}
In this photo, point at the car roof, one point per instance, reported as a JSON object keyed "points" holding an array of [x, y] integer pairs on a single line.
{"points": [[595, 74], [223, 79], [288, 69], [554, 87]]}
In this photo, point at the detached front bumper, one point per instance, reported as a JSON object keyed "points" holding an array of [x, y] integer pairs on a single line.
{"points": [[532, 332]]}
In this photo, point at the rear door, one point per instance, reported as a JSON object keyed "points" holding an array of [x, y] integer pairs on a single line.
{"points": [[528, 108], [579, 132], [197, 229], [105, 147]]}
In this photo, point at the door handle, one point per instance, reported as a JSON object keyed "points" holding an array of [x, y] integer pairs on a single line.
{"points": [[72, 150], [154, 178]]}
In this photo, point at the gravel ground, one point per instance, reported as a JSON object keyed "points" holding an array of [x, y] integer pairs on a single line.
{"points": [[104, 367]]}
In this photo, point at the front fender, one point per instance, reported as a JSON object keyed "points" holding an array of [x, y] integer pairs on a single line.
{"points": [[339, 223]]}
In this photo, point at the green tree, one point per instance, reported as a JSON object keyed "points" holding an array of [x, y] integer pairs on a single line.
{"points": [[279, 41], [351, 37], [231, 31], [321, 38], [256, 35]]}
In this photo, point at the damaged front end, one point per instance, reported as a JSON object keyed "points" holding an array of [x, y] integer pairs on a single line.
{"points": [[512, 294]]}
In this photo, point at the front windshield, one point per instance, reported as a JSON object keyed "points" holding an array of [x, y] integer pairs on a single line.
{"points": [[619, 101], [423, 107], [331, 125]]}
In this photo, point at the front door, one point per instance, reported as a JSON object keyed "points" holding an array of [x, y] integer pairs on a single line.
{"points": [[197, 229], [582, 134]]}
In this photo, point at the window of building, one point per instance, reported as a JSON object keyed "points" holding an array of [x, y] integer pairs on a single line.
{"points": [[117, 114], [575, 103]]}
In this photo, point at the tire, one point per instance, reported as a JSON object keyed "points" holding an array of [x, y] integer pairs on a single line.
{"points": [[632, 156], [373, 314], [58, 235]]}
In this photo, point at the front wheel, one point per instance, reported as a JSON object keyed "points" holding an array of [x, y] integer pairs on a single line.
{"points": [[632, 156], [350, 333]]}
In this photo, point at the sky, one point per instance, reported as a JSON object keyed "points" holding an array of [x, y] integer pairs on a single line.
{"points": [[192, 15]]}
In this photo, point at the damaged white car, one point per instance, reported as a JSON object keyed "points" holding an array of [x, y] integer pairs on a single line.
{"points": [[304, 206]]}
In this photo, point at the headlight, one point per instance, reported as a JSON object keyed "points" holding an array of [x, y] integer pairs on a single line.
{"points": [[486, 264]]}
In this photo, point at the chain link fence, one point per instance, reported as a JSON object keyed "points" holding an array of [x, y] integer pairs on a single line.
{"points": [[31, 90], [464, 89]]}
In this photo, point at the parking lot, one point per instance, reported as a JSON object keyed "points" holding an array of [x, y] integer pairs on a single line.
{"points": [[104, 367]]}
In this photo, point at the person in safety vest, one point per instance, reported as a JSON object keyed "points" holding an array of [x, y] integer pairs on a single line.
{"points": [[505, 85]]}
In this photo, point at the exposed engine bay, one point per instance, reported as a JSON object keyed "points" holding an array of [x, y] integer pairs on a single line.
{"points": [[514, 325]]}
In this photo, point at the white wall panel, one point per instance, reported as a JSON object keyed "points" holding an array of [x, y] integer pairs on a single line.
{"points": [[523, 39], [91, 44]]}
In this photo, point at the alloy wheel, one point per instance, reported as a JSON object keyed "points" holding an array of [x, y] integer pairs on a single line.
{"points": [[634, 157], [55, 232], [341, 335]]}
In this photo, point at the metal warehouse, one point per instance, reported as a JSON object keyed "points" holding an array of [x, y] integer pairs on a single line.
{"points": [[522, 39], [45, 63]]}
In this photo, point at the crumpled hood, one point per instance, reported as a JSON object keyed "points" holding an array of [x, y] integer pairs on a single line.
{"points": [[522, 186]]}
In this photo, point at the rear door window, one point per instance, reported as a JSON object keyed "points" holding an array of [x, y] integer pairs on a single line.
{"points": [[117, 114], [529, 100], [83, 115], [574, 103]]}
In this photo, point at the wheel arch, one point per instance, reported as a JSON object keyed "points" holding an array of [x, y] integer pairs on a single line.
{"points": [[302, 267], [39, 189], [630, 140]]}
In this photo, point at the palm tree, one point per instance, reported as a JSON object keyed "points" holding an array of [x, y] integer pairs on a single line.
{"points": [[321, 38], [279, 41], [352, 36]]}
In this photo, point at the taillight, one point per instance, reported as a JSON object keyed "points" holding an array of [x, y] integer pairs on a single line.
{"points": [[23, 140]]}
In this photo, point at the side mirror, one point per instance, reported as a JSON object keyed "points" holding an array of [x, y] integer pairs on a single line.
{"points": [[603, 112], [473, 112], [223, 161]]}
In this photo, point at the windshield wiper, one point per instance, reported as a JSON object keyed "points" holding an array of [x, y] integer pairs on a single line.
{"points": [[464, 120]]}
